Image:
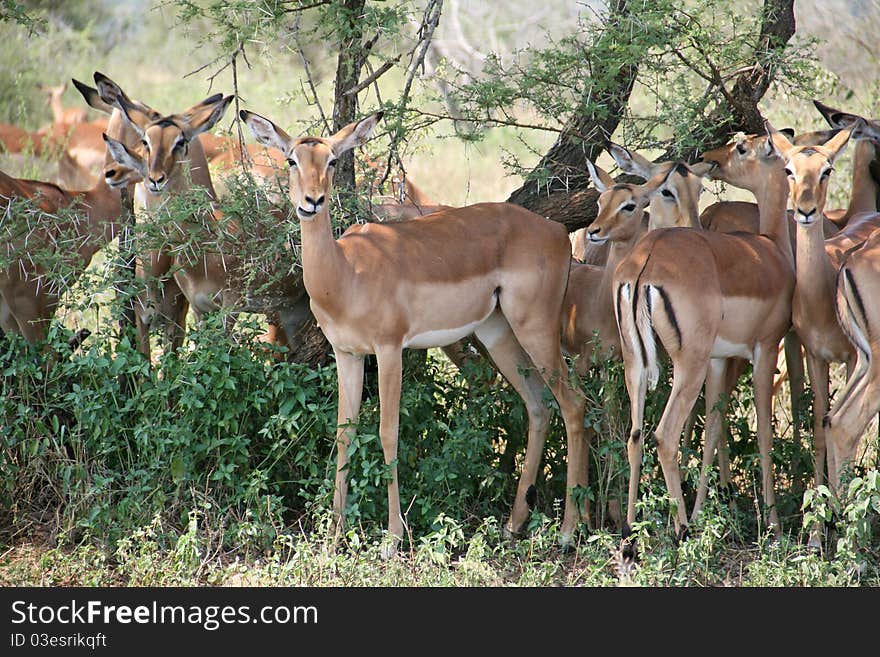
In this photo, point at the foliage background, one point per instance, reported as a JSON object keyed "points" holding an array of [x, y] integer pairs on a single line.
{"points": [[218, 468]]}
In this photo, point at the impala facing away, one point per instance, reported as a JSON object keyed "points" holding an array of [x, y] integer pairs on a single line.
{"points": [[708, 297], [588, 310], [27, 300], [493, 269]]}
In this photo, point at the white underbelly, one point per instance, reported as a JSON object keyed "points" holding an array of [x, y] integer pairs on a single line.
{"points": [[724, 349], [440, 337]]}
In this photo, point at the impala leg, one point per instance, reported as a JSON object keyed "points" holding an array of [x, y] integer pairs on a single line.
{"points": [[856, 377], [174, 308], [762, 374], [34, 330], [350, 372], [735, 369], [794, 365], [846, 428], [687, 379], [544, 348], [636, 388], [716, 378], [818, 370], [390, 362], [516, 366]]}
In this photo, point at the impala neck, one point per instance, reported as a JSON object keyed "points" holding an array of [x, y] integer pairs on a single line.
{"points": [[322, 259], [103, 209], [772, 199], [57, 108], [813, 269], [863, 197]]}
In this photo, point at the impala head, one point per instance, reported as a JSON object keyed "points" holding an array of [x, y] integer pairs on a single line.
{"points": [[676, 187], [748, 161], [808, 169], [621, 207], [127, 167], [676, 200], [53, 93], [165, 139], [311, 159]]}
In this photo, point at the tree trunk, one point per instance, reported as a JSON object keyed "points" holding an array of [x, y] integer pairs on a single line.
{"points": [[567, 198], [352, 55], [557, 187]]}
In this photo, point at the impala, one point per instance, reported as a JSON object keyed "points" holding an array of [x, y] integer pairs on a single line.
{"points": [[708, 297], [865, 189], [61, 114], [492, 269], [176, 163], [27, 301], [858, 283], [817, 260], [588, 322]]}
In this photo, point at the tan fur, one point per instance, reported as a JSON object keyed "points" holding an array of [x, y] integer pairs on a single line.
{"points": [[175, 163], [730, 295], [857, 286], [494, 269], [27, 302]]}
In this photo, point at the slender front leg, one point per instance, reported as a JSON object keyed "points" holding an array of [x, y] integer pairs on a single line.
{"points": [[762, 376], [817, 368], [350, 372], [390, 362], [715, 380], [794, 364]]}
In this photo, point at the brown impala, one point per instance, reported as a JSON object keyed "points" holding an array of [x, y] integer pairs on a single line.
{"points": [[492, 269]]}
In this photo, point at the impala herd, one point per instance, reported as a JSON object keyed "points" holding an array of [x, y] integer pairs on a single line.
{"points": [[715, 289]]}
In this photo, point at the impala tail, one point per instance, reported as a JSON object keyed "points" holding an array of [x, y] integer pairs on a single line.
{"points": [[634, 310]]}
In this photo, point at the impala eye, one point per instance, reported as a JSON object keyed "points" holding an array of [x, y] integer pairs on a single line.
{"points": [[826, 173], [789, 172], [331, 163], [667, 193], [145, 144], [291, 162], [629, 207], [180, 145]]}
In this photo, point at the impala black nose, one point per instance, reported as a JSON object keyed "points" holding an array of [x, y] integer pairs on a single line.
{"points": [[314, 202]]}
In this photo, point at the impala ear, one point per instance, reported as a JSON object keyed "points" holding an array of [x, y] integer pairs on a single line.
{"points": [[601, 180], [701, 169], [122, 155], [205, 115], [835, 118], [92, 97], [631, 162], [776, 144], [136, 114], [355, 134], [837, 144], [266, 132]]}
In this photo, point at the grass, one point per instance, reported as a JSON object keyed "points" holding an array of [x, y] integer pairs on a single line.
{"points": [[727, 548]]}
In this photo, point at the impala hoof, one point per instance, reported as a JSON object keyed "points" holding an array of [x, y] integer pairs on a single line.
{"points": [[388, 550], [565, 544], [508, 534], [629, 555]]}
